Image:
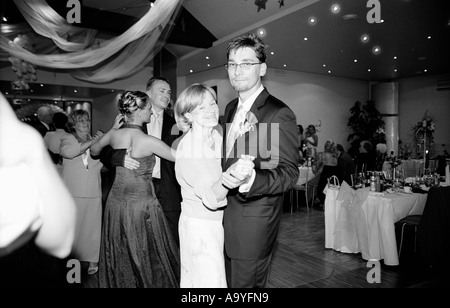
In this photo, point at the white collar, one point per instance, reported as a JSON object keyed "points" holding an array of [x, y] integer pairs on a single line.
{"points": [[46, 125], [249, 101], [159, 114]]}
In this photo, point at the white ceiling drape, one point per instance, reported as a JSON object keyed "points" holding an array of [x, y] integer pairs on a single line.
{"points": [[103, 62]]}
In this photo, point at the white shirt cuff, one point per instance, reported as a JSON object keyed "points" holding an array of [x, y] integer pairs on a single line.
{"points": [[245, 187]]}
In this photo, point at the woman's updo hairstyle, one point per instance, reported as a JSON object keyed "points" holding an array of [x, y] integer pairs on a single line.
{"points": [[130, 101]]}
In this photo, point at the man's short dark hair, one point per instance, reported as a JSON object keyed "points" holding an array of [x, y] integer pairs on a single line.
{"points": [[60, 120], [250, 41]]}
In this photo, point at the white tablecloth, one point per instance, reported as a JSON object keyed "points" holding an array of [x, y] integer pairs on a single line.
{"points": [[367, 226]]}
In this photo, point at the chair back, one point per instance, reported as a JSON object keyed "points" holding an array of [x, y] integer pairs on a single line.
{"points": [[303, 176], [333, 182]]}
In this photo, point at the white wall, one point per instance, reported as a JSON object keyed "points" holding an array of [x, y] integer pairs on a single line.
{"points": [[416, 95], [313, 98]]}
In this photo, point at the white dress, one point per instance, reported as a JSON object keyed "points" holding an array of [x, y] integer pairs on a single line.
{"points": [[197, 168]]}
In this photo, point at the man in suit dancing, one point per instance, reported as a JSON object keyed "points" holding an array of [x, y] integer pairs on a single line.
{"points": [[161, 126], [44, 120], [268, 131]]}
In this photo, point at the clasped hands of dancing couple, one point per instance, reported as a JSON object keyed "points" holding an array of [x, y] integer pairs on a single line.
{"points": [[238, 173]]}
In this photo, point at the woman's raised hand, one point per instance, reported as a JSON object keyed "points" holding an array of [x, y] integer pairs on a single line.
{"points": [[118, 121]]}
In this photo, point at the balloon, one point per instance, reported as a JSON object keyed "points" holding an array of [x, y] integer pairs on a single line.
{"points": [[31, 68], [24, 67]]}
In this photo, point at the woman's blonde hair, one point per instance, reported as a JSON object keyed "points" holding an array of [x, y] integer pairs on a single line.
{"points": [[329, 146], [188, 100], [75, 116]]}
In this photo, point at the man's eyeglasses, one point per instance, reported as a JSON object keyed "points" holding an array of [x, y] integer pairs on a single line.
{"points": [[244, 66]]}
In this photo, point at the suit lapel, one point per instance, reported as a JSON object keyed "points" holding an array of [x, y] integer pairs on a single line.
{"points": [[259, 102]]}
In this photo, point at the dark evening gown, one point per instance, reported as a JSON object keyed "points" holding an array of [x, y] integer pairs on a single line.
{"points": [[138, 248]]}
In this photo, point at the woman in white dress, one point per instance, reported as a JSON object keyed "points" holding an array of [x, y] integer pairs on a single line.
{"points": [[199, 173]]}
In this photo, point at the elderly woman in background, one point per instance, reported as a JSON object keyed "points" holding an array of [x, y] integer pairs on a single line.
{"points": [[81, 174]]}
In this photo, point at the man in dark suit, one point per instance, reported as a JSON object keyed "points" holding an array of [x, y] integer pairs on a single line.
{"points": [[162, 126], [268, 131], [45, 119], [346, 165]]}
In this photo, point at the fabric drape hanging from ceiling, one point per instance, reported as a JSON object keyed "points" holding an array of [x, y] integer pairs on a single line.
{"points": [[103, 62]]}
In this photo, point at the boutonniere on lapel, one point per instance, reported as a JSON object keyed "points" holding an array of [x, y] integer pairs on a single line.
{"points": [[249, 123]]}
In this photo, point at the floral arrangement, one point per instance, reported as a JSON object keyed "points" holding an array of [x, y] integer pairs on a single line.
{"points": [[423, 134], [249, 123], [424, 126], [394, 161], [381, 147]]}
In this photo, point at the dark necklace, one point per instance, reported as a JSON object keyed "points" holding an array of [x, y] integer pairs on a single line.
{"points": [[127, 125]]}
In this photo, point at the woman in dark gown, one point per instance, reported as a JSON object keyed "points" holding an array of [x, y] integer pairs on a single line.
{"points": [[138, 248]]}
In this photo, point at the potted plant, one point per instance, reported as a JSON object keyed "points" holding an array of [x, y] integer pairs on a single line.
{"points": [[366, 123]]}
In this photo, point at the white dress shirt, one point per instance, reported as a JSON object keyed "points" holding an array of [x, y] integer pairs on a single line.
{"points": [[154, 128], [247, 104]]}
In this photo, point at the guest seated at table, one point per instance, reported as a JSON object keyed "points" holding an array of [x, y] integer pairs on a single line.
{"points": [[365, 160], [346, 165]]}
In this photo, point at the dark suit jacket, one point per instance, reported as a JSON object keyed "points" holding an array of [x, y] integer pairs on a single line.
{"points": [[346, 167], [41, 128], [170, 190], [251, 220]]}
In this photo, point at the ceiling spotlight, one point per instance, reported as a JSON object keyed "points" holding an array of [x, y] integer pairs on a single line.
{"points": [[335, 8], [312, 20], [261, 33], [207, 58], [305, 38], [376, 50], [429, 37], [395, 57], [272, 53], [368, 69], [329, 72], [5, 19], [191, 71], [284, 65], [356, 60], [365, 38], [324, 65]]}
